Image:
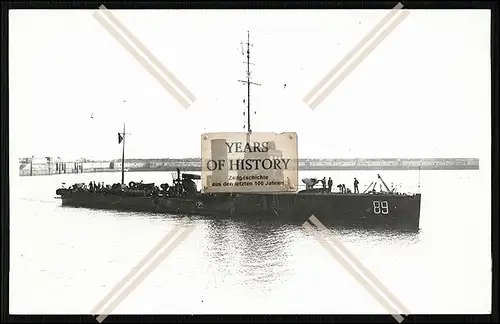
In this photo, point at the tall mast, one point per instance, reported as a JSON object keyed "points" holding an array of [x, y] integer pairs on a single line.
{"points": [[123, 155], [247, 81], [419, 179], [121, 140]]}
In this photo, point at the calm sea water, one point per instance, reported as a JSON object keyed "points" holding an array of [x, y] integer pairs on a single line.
{"points": [[65, 260]]}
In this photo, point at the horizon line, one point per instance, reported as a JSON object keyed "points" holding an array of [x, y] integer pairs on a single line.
{"points": [[59, 159]]}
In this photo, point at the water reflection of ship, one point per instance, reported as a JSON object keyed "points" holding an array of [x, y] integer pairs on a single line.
{"points": [[254, 252], [219, 239], [264, 251]]}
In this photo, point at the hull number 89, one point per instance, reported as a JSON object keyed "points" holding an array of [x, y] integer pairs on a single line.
{"points": [[380, 207]]}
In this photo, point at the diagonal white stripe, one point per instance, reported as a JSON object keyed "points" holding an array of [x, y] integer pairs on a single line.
{"points": [[140, 265], [338, 256], [145, 64], [352, 52], [315, 91], [355, 63], [367, 273], [147, 271], [148, 53]]}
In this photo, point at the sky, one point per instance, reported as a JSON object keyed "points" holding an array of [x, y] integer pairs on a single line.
{"points": [[423, 92]]}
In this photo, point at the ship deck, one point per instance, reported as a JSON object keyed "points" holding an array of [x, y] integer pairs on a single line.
{"points": [[324, 194]]}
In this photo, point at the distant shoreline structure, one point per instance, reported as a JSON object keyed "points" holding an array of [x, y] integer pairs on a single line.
{"points": [[51, 166]]}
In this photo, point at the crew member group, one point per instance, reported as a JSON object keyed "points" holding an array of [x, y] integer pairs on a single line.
{"points": [[328, 184]]}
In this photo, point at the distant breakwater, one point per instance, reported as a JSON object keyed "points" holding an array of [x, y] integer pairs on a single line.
{"points": [[26, 168]]}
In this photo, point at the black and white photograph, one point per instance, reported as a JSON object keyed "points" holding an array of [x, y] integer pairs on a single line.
{"points": [[250, 161]]}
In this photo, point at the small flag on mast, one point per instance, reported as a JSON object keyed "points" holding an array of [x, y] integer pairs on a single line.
{"points": [[120, 138]]}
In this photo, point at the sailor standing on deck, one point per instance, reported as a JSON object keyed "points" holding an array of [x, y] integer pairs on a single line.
{"points": [[356, 182], [330, 184]]}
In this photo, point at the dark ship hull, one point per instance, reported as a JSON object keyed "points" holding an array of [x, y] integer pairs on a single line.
{"points": [[370, 211]]}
